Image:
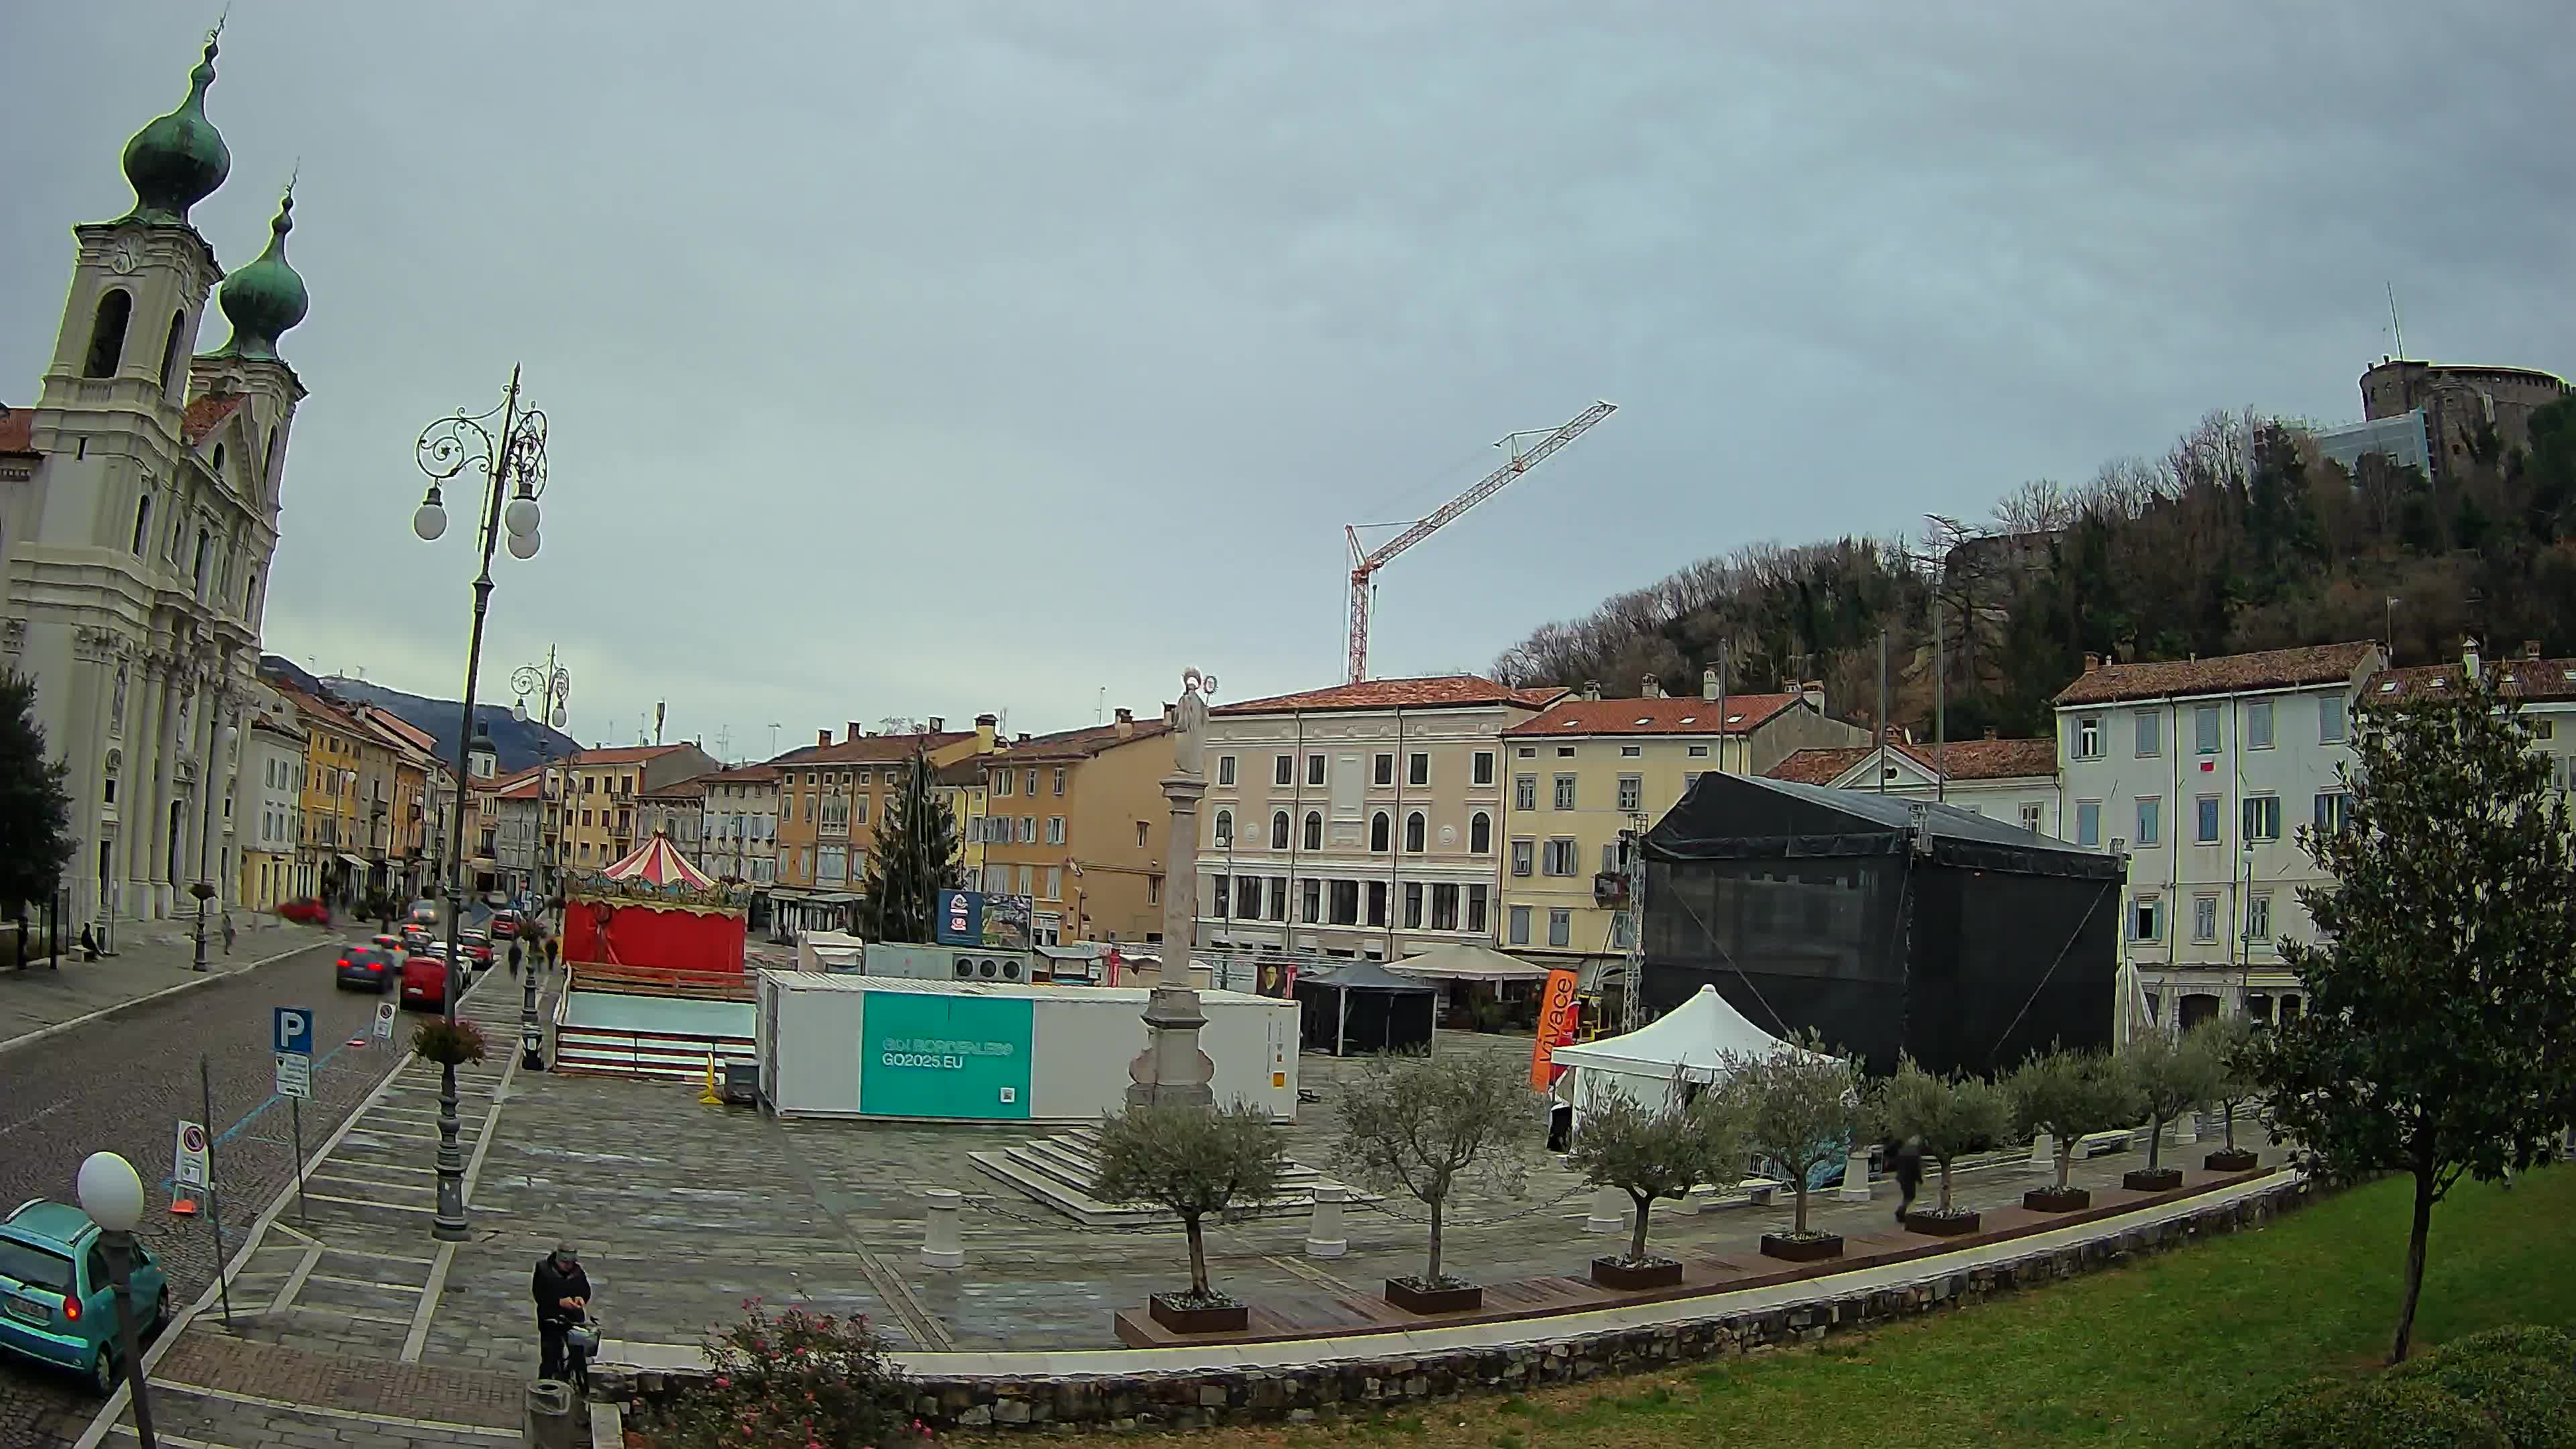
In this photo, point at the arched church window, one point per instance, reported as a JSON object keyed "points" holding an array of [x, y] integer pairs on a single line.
{"points": [[142, 523], [170, 349], [107, 333], [219, 462]]}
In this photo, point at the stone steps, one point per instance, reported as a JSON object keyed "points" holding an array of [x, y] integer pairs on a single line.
{"points": [[1059, 1171]]}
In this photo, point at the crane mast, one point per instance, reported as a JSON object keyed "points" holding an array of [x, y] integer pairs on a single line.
{"points": [[1366, 563]]}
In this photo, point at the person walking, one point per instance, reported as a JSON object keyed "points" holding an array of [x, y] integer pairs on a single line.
{"points": [[228, 933], [562, 1293], [1906, 1159]]}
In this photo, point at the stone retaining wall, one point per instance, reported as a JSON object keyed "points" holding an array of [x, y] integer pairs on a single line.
{"points": [[1190, 1400]]}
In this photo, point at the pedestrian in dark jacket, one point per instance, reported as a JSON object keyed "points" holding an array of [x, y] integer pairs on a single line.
{"points": [[1906, 1160], [562, 1292]]}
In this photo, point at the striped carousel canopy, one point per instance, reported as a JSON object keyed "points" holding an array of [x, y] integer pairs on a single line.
{"points": [[657, 864]]}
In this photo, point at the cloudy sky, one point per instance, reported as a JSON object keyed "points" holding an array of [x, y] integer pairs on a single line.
{"points": [[941, 357]]}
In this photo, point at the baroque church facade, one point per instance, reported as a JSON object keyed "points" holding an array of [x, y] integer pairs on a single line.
{"points": [[138, 511]]}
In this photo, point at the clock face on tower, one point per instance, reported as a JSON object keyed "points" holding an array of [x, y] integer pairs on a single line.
{"points": [[127, 255]]}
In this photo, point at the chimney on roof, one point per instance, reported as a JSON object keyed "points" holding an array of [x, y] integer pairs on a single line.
{"points": [[1592, 689], [856, 732], [1126, 723], [1990, 732], [2092, 662], [1813, 692], [1652, 688], [2469, 656], [1708, 683], [1023, 739], [822, 737], [939, 724], [2530, 648], [985, 727]]}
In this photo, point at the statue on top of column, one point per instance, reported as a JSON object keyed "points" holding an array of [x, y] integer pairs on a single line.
{"points": [[1189, 726]]}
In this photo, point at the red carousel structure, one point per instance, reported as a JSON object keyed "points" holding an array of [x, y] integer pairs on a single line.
{"points": [[654, 948]]}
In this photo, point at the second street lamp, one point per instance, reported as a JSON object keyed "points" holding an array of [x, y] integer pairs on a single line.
{"points": [[513, 464]]}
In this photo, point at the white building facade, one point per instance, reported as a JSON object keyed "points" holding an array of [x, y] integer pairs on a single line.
{"points": [[1343, 821], [2008, 780], [268, 809], [139, 514], [739, 834], [2202, 772]]}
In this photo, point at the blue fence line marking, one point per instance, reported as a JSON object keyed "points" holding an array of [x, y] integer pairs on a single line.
{"points": [[236, 1129]]}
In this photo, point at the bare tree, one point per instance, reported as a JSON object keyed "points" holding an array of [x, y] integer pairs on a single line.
{"points": [[1425, 1126], [1191, 1161]]}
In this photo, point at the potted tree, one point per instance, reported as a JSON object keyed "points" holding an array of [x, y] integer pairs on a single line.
{"points": [[2174, 1075], [2231, 1043], [1191, 1161], [2068, 1094], [1425, 1126], [1651, 1155], [1800, 1108], [1950, 1116]]}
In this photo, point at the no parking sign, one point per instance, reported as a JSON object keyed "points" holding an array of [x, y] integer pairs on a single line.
{"points": [[188, 1166]]}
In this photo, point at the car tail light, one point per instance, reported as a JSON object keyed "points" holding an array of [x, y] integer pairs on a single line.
{"points": [[71, 1308], [344, 963]]}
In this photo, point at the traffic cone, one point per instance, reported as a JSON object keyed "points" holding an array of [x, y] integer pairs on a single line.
{"points": [[183, 1203]]}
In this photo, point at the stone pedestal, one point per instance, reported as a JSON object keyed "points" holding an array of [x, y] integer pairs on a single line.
{"points": [[941, 1247], [1855, 1186], [2186, 1129], [1324, 1236], [1608, 1212], [1171, 1070], [2043, 1152]]}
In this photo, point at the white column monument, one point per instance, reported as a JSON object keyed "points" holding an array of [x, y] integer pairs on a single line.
{"points": [[1171, 1069]]}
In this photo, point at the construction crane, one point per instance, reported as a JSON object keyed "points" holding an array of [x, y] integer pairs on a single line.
{"points": [[1366, 562]]}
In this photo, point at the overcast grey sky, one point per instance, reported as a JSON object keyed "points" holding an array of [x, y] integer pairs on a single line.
{"points": [[941, 357]]}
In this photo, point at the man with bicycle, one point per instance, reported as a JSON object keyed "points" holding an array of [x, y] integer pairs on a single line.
{"points": [[562, 1292]]}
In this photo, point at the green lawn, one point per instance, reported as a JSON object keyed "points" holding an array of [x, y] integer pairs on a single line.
{"points": [[2159, 1353]]}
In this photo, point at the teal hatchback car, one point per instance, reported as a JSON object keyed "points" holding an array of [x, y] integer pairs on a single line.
{"points": [[56, 1303]]}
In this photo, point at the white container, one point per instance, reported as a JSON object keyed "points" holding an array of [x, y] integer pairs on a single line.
{"points": [[867, 1046]]}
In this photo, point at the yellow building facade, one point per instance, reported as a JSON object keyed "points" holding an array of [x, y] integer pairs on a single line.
{"points": [[1077, 822]]}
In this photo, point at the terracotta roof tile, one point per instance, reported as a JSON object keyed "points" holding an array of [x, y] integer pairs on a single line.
{"points": [[2524, 678], [622, 754], [17, 430], [1966, 760], [1668, 716], [871, 749], [2226, 674], [207, 414], [695, 788], [1083, 743], [743, 775], [1434, 692]]}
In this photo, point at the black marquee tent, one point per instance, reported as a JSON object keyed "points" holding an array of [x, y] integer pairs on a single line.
{"points": [[1360, 1006], [1886, 924]]}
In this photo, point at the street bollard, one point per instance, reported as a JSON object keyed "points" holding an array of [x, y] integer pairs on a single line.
{"points": [[1324, 1235], [2043, 1152], [548, 1421], [940, 1245], [1855, 1186], [2186, 1129], [1608, 1213]]}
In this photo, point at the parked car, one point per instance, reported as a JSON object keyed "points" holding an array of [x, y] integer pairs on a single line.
{"points": [[306, 912], [425, 912], [56, 1303], [477, 949], [368, 967], [505, 925], [424, 983], [383, 942]]}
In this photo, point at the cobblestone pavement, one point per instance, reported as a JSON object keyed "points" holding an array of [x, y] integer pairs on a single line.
{"points": [[42, 996], [683, 1210], [254, 1166]]}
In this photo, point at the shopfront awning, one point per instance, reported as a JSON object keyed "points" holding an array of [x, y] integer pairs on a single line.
{"points": [[359, 861]]}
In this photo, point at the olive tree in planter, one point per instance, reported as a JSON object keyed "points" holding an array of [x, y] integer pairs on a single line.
{"points": [[2174, 1075], [1650, 1155], [1192, 1162], [1800, 1108], [1950, 1117], [2069, 1094], [1425, 1126], [2230, 1042]]}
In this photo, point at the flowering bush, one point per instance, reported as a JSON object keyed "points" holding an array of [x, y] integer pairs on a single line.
{"points": [[796, 1380], [451, 1045]]}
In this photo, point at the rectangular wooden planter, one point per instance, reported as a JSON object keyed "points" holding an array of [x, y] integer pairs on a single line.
{"points": [[2050, 1200], [1228, 1318], [2151, 1179], [1465, 1298], [1801, 1250], [2224, 1160], [1938, 1226], [1630, 1278]]}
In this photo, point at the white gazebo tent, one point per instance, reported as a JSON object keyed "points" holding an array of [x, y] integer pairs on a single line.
{"points": [[1466, 961], [1657, 1064]]}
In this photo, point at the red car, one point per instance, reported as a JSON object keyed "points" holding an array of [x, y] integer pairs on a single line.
{"points": [[306, 912], [424, 983]]}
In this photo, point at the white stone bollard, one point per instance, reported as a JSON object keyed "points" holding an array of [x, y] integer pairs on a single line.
{"points": [[2186, 1129], [1608, 1213], [940, 1245], [1855, 1186], [1324, 1235], [2043, 1152]]}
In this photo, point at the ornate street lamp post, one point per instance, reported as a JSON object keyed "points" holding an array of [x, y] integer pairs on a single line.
{"points": [[112, 1195], [513, 464]]}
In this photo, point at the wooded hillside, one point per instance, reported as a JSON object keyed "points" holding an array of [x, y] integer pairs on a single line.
{"points": [[2240, 537]]}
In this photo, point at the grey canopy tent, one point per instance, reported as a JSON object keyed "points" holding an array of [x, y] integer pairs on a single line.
{"points": [[1888, 925], [1360, 1006]]}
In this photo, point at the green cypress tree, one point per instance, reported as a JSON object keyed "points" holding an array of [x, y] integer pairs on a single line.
{"points": [[35, 812], [916, 857]]}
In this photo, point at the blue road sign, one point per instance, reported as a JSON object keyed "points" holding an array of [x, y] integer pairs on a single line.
{"points": [[292, 1030]]}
